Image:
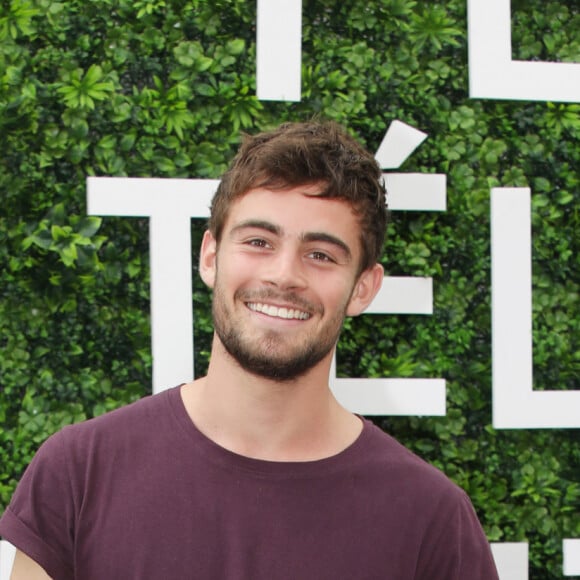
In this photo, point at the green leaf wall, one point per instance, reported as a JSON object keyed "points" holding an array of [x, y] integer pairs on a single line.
{"points": [[164, 88]]}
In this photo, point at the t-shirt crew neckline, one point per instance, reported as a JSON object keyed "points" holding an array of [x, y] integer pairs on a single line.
{"points": [[299, 469]]}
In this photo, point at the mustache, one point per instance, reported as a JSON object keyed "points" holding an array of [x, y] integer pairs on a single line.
{"points": [[289, 298]]}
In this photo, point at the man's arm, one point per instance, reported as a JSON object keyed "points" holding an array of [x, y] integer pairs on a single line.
{"points": [[25, 568]]}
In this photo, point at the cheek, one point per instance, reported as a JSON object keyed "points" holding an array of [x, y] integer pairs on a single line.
{"points": [[337, 296], [227, 276]]}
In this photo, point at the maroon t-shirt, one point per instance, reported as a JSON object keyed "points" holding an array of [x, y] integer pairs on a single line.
{"points": [[140, 493]]}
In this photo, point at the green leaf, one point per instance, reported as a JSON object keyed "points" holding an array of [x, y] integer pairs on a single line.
{"points": [[89, 226]]}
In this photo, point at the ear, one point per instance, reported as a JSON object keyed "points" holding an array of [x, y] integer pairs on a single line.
{"points": [[365, 289], [207, 259]]}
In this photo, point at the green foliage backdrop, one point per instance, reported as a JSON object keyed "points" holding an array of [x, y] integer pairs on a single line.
{"points": [[164, 88]]}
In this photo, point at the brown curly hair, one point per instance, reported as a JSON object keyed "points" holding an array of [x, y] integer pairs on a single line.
{"points": [[320, 153]]}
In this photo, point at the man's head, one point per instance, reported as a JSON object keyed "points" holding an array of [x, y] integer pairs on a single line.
{"points": [[314, 153]]}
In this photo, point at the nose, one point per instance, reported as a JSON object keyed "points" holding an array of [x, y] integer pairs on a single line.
{"points": [[285, 270]]}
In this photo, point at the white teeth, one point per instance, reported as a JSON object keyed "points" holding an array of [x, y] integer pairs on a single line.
{"points": [[287, 313]]}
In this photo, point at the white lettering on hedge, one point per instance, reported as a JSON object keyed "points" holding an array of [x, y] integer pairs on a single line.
{"points": [[398, 144], [400, 295], [571, 550], [409, 191], [492, 72], [279, 50], [7, 553], [169, 204], [511, 560], [515, 404]]}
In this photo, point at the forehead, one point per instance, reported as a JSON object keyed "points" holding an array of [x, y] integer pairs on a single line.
{"points": [[296, 211]]}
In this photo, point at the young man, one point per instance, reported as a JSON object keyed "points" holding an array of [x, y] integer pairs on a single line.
{"points": [[255, 471]]}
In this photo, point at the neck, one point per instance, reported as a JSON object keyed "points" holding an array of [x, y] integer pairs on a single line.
{"points": [[298, 420]]}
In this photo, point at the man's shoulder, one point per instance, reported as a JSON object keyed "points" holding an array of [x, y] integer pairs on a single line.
{"points": [[124, 425]]}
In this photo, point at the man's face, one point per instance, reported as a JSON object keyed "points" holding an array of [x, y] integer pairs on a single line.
{"points": [[284, 276]]}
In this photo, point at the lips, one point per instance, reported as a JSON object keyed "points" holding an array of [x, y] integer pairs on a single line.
{"points": [[278, 311]]}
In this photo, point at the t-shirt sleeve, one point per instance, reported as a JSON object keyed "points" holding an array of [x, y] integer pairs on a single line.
{"points": [[457, 547], [39, 520]]}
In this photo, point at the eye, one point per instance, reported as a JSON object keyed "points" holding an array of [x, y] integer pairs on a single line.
{"points": [[320, 257], [258, 243]]}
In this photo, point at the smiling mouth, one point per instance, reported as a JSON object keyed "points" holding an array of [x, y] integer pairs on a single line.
{"points": [[278, 312]]}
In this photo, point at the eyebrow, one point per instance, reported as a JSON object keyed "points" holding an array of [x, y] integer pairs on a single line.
{"points": [[329, 239], [258, 224], [306, 237]]}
